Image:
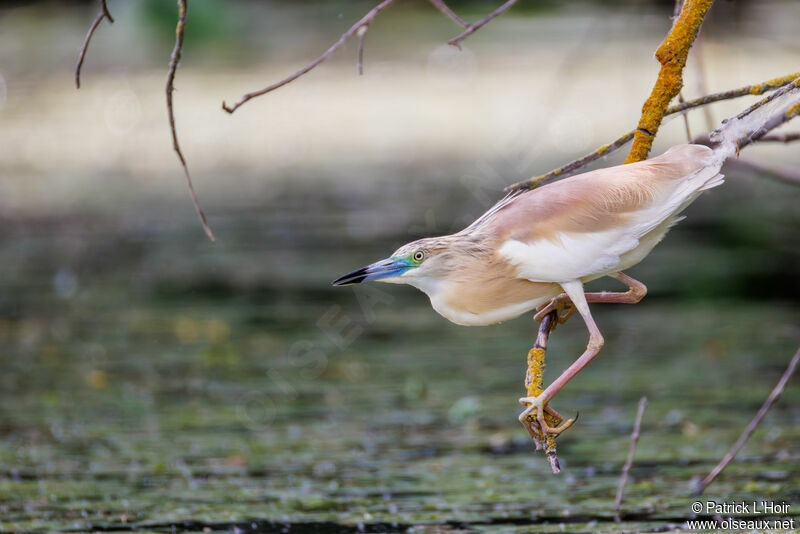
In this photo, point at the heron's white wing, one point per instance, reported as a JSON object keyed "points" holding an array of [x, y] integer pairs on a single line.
{"points": [[584, 225]]}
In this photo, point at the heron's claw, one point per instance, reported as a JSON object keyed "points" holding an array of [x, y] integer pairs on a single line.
{"points": [[538, 406], [561, 304]]}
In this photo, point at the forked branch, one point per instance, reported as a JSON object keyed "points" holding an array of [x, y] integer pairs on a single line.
{"points": [[359, 29], [104, 13], [472, 28], [354, 29]]}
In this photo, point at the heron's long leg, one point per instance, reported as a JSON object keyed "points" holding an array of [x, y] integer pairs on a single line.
{"points": [[574, 290], [636, 292]]}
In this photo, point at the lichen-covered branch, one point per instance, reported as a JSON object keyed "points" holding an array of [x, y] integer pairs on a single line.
{"points": [[776, 120], [575, 164], [104, 13], [672, 55], [362, 23], [605, 150], [173, 67], [472, 28], [534, 377]]}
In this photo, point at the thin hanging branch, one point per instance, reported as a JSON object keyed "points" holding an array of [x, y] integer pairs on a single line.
{"points": [[755, 89], [773, 396], [685, 119], [623, 479], [698, 53], [672, 55], [173, 67], [363, 22], [472, 28], [104, 13]]}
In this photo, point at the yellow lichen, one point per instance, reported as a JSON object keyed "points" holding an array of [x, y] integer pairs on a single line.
{"points": [[672, 55], [760, 88], [533, 384]]}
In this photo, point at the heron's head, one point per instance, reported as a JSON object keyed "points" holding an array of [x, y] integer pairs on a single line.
{"points": [[422, 263]]}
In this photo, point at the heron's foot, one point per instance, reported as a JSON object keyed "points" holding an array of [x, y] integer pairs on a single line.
{"points": [[533, 414], [561, 304]]}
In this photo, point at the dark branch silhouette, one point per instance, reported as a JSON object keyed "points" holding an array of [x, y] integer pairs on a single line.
{"points": [[363, 22], [173, 67], [773, 396], [449, 12], [626, 469], [103, 14], [472, 28]]}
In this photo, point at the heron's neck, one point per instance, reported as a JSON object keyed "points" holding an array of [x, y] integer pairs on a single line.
{"points": [[428, 285]]}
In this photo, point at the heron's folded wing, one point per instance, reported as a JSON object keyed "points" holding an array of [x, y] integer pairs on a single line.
{"points": [[582, 225]]}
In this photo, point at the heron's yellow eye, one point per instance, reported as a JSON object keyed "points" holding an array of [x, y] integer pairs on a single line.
{"points": [[419, 256]]}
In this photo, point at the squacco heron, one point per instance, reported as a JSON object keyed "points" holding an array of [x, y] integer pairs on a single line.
{"points": [[535, 249]]}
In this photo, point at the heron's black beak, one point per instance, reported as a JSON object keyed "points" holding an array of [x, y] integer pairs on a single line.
{"points": [[380, 269]]}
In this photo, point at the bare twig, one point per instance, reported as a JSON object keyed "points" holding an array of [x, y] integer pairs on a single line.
{"points": [[700, 68], [756, 89], [364, 21], [785, 175], [362, 32], [173, 66], [676, 11], [472, 28], [780, 138], [672, 55], [623, 479], [685, 119], [104, 13], [773, 396], [450, 13]]}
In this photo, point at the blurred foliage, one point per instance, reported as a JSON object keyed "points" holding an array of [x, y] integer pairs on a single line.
{"points": [[213, 23]]}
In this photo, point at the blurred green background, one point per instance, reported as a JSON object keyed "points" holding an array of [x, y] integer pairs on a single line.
{"points": [[152, 380]]}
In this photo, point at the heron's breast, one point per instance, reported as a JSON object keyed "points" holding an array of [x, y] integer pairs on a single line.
{"points": [[491, 300]]}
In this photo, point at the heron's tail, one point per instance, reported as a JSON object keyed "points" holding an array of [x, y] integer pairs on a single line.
{"points": [[754, 122]]}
